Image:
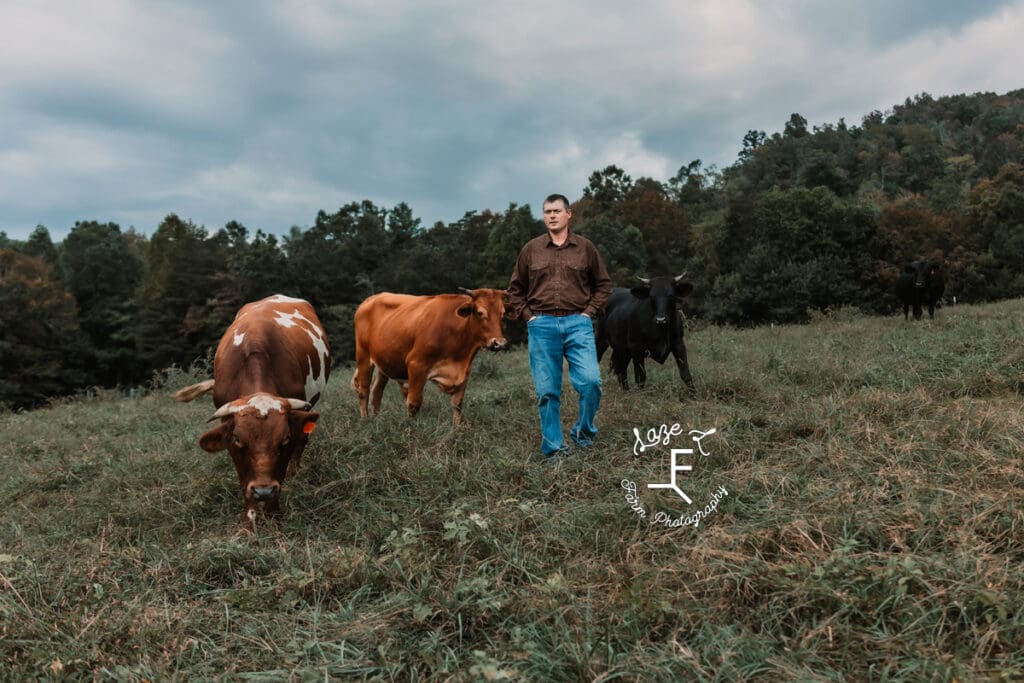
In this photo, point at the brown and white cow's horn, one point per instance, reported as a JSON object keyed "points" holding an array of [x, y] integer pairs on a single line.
{"points": [[679, 278], [223, 411], [299, 404], [644, 280], [465, 291]]}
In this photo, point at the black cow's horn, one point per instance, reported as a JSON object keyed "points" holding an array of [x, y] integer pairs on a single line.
{"points": [[679, 278], [644, 280]]}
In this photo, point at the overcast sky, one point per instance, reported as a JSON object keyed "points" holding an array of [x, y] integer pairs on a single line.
{"points": [[266, 112]]}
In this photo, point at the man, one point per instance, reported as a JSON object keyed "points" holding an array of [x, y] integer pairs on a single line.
{"points": [[558, 286]]}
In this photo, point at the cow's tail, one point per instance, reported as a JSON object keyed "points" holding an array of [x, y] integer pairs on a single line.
{"points": [[194, 391]]}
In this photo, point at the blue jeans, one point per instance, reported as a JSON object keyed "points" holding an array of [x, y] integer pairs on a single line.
{"points": [[550, 339]]}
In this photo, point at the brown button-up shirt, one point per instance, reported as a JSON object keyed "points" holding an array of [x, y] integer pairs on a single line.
{"points": [[549, 278]]}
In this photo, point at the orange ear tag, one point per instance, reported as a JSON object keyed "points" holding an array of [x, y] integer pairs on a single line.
{"points": [[308, 427]]}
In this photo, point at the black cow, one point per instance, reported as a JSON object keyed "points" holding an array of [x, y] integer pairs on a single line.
{"points": [[643, 322], [920, 284]]}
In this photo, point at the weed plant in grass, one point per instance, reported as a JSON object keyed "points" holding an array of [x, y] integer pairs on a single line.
{"points": [[872, 528]]}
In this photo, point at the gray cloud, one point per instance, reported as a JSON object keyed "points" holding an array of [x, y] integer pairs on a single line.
{"points": [[267, 112]]}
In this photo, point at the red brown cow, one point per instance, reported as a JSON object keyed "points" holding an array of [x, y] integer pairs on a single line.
{"points": [[412, 339], [270, 369]]}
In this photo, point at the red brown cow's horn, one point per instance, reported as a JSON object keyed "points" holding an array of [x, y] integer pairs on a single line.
{"points": [[466, 291], [299, 404]]}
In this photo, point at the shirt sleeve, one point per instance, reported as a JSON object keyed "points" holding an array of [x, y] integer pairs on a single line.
{"points": [[518, 286], [600, 284]]}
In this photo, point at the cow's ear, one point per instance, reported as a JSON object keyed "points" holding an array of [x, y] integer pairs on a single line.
{"points": [[218, 438], [683, 288], [465, 310], [641, 291], [303, 420]]}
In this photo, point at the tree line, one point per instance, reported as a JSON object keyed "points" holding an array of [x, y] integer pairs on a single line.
{"points": [[806, 220]]}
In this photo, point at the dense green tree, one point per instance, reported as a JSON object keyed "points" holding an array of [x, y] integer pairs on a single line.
{"points": [[510, 232], [402, 225], [798, 250], [621, 248], [102, 272], [178, 316], [996, 209], [40, 245], [39, 342], [256, 268], [695, 188], [608, 187], [752, 141], [341, 258], [664, 228]]}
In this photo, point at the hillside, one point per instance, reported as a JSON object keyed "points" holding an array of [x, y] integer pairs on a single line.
{"points": [[872, 527]]}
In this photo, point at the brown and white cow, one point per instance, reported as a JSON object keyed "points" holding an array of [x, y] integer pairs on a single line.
{"points": [[412, 339], [270, 369]]}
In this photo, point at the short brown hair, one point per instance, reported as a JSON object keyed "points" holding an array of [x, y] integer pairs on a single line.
{"points": [[551, 198]]}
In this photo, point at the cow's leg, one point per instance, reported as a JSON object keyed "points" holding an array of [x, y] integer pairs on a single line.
{"points": [[906, 311], [602, 343], [684, 366], [380, 380], [931, 309], [620, 366], [414, 390], [361, 381], [639, 371], [458, 394], [917, 308]]}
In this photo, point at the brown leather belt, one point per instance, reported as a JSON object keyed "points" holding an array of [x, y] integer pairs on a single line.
{"points": [[558, 313]]}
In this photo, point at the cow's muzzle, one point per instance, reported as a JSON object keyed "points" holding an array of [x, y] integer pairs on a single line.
{"points": [[262, 494], [660, 319], [497, 344]]}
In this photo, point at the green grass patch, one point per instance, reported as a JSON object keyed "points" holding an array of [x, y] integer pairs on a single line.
{"points": [[873, 528]]}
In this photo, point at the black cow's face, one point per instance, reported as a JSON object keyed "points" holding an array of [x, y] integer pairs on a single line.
{"points": [[922, 271], [661, 293]]}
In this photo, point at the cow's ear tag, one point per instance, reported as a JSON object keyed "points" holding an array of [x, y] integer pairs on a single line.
{"points": [[308, 427]]}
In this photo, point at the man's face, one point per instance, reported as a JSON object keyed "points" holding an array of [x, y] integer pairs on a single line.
{"points": [[556, 216]]}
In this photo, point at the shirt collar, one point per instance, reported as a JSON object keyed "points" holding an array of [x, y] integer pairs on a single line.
{"points": [[571, 239]]}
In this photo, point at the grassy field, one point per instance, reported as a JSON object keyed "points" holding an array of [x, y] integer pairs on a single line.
{"points": [[873, 527]]}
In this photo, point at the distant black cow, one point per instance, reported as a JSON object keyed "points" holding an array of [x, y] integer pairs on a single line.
{"points": [[920, 284], [643, 322]]}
